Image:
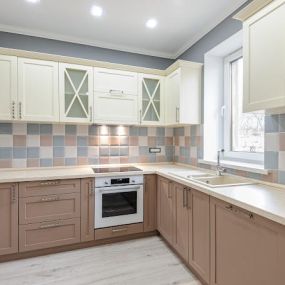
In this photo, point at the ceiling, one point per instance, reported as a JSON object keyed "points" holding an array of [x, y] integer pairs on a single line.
{"points": [[180, 22]]}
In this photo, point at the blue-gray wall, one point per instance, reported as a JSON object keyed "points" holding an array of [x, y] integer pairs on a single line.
{"points": [[17, 41]]}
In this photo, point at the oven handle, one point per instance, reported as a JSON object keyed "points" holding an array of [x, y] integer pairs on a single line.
{"points": [[119, 189]]}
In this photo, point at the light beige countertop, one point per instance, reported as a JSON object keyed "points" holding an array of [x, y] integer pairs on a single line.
{"points": [[264, 199]]}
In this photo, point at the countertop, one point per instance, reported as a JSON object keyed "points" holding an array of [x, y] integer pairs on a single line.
{"points": [[264, 199]]}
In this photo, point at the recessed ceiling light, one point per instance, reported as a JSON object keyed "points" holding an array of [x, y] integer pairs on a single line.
{"points": [[96, 11], [33, 1], [151, 23]]}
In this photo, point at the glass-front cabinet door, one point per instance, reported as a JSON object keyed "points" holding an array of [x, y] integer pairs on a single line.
{"points": [[76, 93], [151, 99]]}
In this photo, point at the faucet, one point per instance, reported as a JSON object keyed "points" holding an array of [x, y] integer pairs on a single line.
{"points": [[219, 168]]}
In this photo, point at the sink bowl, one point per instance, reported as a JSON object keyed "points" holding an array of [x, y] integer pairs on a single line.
{"points": [[222, 181]]}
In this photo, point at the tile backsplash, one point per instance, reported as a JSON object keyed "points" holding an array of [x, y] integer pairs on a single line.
{"points": [[43, 145]]}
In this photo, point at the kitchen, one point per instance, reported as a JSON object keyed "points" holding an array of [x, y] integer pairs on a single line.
{"points": [[142, 148]]}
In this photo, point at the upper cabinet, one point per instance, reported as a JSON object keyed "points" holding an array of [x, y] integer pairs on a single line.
{"points": [[37, 90], [151, 88], [264, 58], [183, 95], [115, 97], [76, 93], [8, 87]]}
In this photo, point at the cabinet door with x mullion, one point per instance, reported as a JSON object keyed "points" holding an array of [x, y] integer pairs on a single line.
{"points": [[151, 99], [76, 93]]}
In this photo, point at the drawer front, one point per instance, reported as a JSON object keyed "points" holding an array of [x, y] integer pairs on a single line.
{"points": [[49, 208], [49, 234], [118, 231], [50, 187], [115, 82]]}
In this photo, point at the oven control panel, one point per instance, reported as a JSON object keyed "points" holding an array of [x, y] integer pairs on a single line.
{"points": [[110, 181]]}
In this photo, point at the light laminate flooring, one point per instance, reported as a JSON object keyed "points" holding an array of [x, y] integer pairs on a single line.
{"points": [[146, 261]]}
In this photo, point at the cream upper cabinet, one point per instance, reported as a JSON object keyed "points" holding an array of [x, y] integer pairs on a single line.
{"points": [[8, 87], [264, 58], [38, 90], [183, 95], [115, 97], [151, 91], [76, 93]]}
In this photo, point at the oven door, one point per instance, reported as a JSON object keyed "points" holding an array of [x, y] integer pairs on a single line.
{"points": [[119, 205]]}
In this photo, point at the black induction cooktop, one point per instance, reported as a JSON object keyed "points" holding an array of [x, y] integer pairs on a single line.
{"points": [[116, 169]]}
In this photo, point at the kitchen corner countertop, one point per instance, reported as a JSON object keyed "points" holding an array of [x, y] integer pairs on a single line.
{"points": [[264, 199]]}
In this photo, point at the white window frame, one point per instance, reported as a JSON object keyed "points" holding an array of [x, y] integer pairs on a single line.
{"points": [[226, 112]]}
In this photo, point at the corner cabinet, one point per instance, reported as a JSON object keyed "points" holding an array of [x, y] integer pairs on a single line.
{"points": [[151, 91], [76, 93], [264, 59], [183, 95]]}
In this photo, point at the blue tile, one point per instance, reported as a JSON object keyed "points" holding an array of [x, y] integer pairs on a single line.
{"points": [[270, 160], [282, 123], [281, 177], [6, 152], [93, 130], [58, 141], [5, 128], [193, 131], [46, 162], [193, 141], [160, 132], [33, 129], [124, 151], [134, 131], [46, 129], [271, 124], [143, 131], [93, 161], [70, 161], [70, 130], [179, 132], [19, 152], [160, 141], [114, 151], [82, 141], [143, 150], [82, 151], [33, 152], [58, 152], [104, 151]]}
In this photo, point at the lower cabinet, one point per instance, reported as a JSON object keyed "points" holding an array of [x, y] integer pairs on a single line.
{"points": [[8, 218], [150, 202], [245, 248]]}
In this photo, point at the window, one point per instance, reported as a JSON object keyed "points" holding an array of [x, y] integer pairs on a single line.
{"points": [[243, 135]]}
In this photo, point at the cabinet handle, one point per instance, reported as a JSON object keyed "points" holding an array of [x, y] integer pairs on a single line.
{"points": [[13, 110], [49, 183], [13, 194], [116, 92], [20, 110], [91, 189], [177, 114], [189, 203], [91, 114], [184, 197], [53, 225], [49, 199], [169, 194], [119, 230], [229, 207], [140, 116]]}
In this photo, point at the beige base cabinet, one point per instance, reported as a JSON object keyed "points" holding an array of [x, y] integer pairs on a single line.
{"points": [[245, 248], [150, 202], [87, 209], [8, 218]]}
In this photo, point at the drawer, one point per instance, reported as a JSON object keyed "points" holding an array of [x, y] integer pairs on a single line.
{"points": [[50, 187], [49, 234], [118, 231], [115, 82], [49, 208]]}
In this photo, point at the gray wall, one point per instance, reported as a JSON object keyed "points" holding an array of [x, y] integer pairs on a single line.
{"points": [[16, 41]]}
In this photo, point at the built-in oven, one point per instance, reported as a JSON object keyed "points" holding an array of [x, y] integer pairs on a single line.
{"points": [[118, 201]]}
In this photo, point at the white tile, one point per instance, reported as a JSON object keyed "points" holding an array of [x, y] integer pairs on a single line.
{"points": [[114, 160], [6, 140], [19, 163], [33, 140], [281, 160], [271, 142], [19, 129], [71, 151], [143, 141], [193, 152], [46, 152], [134, 151], [93, 151]]}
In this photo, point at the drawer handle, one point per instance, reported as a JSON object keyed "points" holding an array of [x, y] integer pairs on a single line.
{"points": [[230, 207], [48, 199], [53, 225], [13, 194], [116, 92], [50, 183], [119, 230]]}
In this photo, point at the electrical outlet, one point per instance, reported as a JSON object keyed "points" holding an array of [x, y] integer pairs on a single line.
{"points": [[154, 150]]}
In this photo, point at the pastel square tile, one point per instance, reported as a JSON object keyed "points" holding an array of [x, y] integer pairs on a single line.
{"points": [[133, 141], [151, 131], [104, 160], [160, 132], [70, 151], [193, 131], [143, 141], [143, 150], [281, 165], [103, 130], [82, 130], [124, 151], [133, 151], [46, 140], [82, 160], [124, 140], [124, 159], [19, 163], [271, 123], [93, 160], [58, 140], [82, 141], [93, 151], [179, 131], [169, 132], [193, 152], [114, 159], [33, 152], [143, 131], [151, 141], [5, 163], [45, 129], [19, 152], [33, 162], [19, 140], [46, 162], [33, 129], [58, 161], [93, 140], [268, 141], [104, 151], [134, 131], [114, 151], [270, 160], [271, 141], [160, 141], [82, 151], [6, 128], [104, 140], [70, 129], [70, 161], [46, 152], [19, 128], [93, 130], [33, 140], [70, 140], [182, 141], [58, 130], [114, 140], [58, 152], [187, 131], [6, 140], [6, 152]]}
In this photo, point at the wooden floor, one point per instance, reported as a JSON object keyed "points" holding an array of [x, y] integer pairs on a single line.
{"points": [[144, 261]]}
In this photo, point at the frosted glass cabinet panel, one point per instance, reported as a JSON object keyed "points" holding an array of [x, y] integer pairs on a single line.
{"points": [[151, 99], [76, 93]]}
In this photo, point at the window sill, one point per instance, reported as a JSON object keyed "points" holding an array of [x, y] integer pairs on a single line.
{"points": [[254, 168]]}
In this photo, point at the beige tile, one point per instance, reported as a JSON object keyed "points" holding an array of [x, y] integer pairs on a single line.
{"points": [[169, 132], [33, 162], [82, 130], [143, 141], [271, 142], [151, 132], [70, 140], [58, 162], [6, 140], [5, 163], [93, 140], [46, 140], [19, 140], [46, 152], [58, 130], [19, 129]]}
